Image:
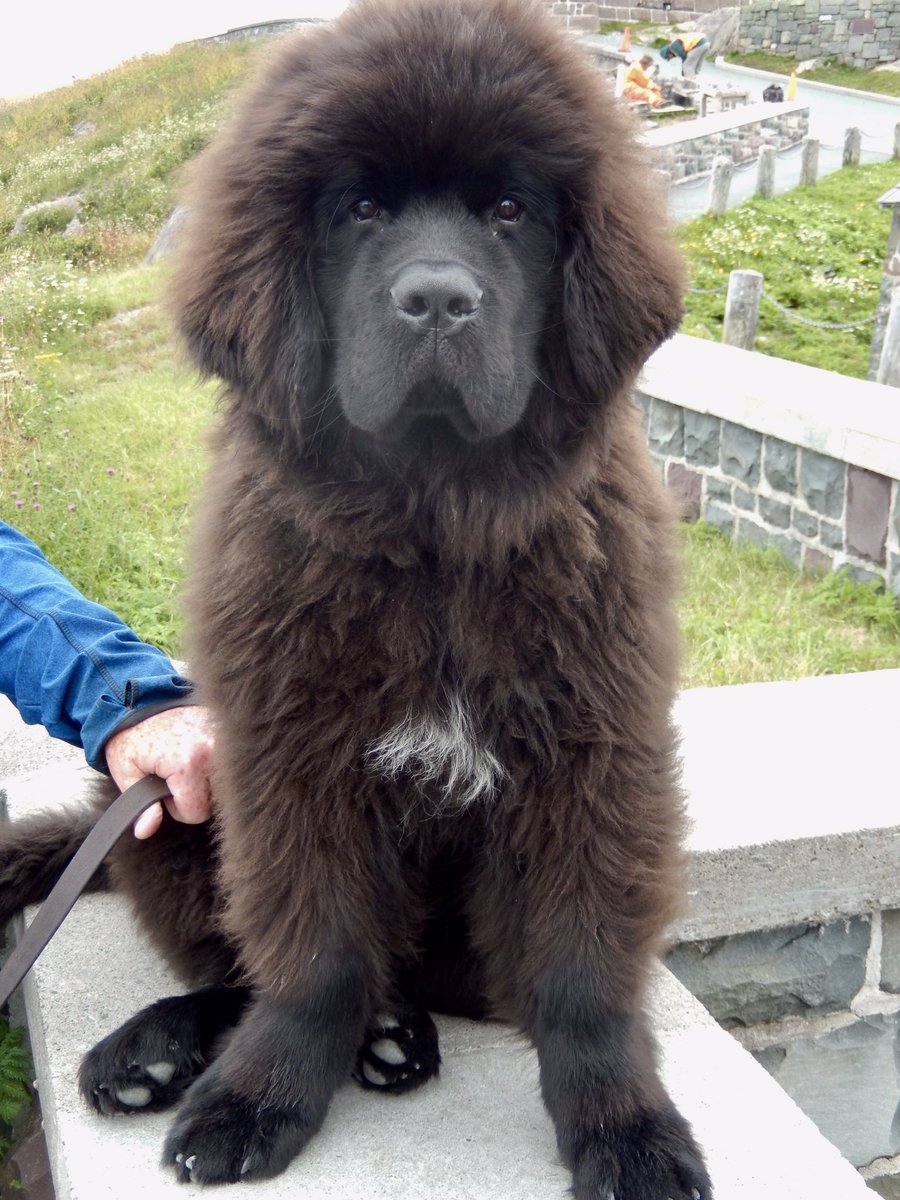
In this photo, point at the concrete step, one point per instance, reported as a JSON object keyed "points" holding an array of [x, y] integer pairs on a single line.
{"points": [[478, 1133]]}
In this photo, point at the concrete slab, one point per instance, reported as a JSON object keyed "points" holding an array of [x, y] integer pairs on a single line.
{"points": [[849, 419], [794, 801], [478, 1133]]}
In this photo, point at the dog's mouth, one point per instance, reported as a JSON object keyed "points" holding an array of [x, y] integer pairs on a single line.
{"points": [[434, 404]]}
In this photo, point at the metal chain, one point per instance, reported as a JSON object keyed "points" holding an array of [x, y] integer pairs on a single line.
{"points": [[817, 324], [788, 312]]}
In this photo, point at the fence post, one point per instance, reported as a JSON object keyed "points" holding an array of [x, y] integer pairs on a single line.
{"points": [[889, 366], [742, 309], [765, 179], [890, 287], [852, 147], [719, 185], [809, 165]]}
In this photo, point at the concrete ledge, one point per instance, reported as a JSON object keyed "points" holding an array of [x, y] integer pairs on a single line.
{"points": [[478, 1133], [672, 134], [849, 419], [794, 801]]}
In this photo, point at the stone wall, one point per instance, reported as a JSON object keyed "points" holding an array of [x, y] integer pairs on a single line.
{"points": [[779, 454], [819, 1007], [685, 149], [860, 33], [651, 10]]}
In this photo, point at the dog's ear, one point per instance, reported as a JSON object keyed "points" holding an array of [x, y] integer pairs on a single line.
{"points": [[244, 299], [243, 291], [622, 292]]}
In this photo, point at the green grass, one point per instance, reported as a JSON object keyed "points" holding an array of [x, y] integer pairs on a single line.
{"points": [[104, 450], [821, 252], [747, 616], [883, 83]]}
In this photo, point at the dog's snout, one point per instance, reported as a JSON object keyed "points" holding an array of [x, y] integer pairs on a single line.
{"points": [[442, 296]]}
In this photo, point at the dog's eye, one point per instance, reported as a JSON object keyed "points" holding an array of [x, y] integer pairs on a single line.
{"points": [[509, 209], [365, 210]]}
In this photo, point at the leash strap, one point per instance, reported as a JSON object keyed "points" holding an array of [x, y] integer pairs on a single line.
{"points": [[121, 814]]}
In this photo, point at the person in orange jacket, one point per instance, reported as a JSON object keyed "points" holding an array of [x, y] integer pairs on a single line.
{"points": [[692, 49], [639, 85]]}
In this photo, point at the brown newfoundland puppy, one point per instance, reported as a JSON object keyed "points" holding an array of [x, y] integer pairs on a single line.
{"points": [[430, 604]]}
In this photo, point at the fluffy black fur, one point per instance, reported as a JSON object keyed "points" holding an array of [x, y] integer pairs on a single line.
{"points": [[430, 604]]}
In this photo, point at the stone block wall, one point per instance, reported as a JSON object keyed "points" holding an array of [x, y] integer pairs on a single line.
{"points": [[860, 33], [653, 10], [775, 479], [689, 149], [819, 1007]]}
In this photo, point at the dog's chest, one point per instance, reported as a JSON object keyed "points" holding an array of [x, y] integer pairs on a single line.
{"points": [[442, 752]]}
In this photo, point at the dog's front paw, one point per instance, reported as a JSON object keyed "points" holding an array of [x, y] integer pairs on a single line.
{"points": [[222, 1136], [654, 1157], [400, 1051]]}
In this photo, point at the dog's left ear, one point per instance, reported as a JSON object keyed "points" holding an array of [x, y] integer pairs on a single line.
{"points": [[622, 295]]}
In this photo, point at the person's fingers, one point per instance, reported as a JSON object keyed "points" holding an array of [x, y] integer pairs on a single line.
{"points": [[190, 798], [149, 821]]}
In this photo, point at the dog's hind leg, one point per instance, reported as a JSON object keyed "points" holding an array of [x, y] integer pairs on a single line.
{"points": [[399, 1051], [147, 1063]]}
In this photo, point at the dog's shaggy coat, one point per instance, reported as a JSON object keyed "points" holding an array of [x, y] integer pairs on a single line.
{"points": [[430, 604]]}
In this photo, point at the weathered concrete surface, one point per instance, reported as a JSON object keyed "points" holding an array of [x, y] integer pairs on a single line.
{"points": [[478, 1133], [794, 801]]}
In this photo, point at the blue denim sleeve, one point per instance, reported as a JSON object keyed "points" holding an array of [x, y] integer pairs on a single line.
{"points": [[69, 664]]}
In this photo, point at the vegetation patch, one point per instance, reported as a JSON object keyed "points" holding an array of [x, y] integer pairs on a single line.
{"points": [[883, 83], [821, 252]]}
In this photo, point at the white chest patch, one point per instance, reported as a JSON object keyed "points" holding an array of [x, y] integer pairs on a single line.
{"points": [[440, 750]]}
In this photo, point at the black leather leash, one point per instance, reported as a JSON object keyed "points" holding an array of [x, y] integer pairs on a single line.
{"points": [[120, 815]]}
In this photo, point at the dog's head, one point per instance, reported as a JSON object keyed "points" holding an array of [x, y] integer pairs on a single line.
{"points": [[427, 217]]}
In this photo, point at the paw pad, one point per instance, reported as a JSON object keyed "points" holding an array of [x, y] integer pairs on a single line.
{"points": [[400, 1051]]}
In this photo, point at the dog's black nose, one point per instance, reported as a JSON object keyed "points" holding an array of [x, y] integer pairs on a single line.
{"points": [[438, 295]]}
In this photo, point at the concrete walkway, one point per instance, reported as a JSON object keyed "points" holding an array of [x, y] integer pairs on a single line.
{"points": [[480, 1132]]}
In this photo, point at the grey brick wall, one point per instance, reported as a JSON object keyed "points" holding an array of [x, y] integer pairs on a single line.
{"points": [[817, 1006], [860, 33], [820, 512]]}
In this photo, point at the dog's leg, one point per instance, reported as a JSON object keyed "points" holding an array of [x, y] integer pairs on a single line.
{"points": [[570, 909], [616, 1127], [267, 1093], [148, 1062]]}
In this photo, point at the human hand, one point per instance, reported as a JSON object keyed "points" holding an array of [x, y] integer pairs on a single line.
{"points": [[176, 745]]}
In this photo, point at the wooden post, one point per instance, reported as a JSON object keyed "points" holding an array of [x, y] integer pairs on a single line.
{"points": [[894, 231], [890, 288], [809, 166], [742, 309], [719, 185], [765, 179], [889, 366], [852, 147]]}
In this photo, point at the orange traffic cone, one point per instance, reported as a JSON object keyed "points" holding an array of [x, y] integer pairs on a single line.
{"points": [[626, 40]]}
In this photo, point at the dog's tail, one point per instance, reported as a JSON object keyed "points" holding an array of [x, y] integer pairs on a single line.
{"points": [[35, 851]]}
